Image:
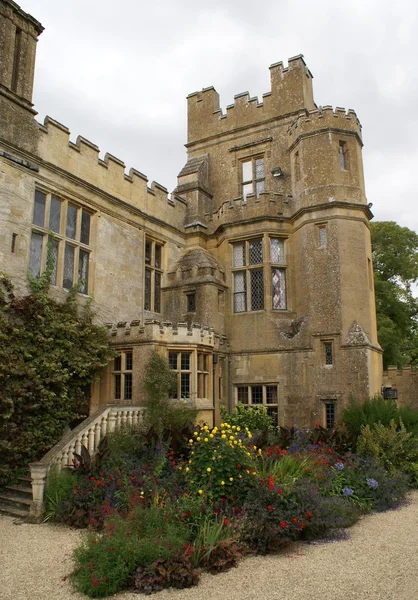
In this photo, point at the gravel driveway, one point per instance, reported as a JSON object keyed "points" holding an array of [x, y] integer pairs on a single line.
{"points": [[378, 561]]}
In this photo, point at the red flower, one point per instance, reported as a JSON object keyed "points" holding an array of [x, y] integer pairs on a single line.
{"points": [[226, 521], [309, 514], [187, 513], [294, 520], [283, 524], [238, 466], [280, 491], [270, 508]]}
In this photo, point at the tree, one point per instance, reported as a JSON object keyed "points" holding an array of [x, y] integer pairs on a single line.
{"points": [[395, 258], [49, 353]]}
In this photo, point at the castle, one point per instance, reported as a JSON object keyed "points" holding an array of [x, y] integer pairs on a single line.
{"points": [[254, 277]]}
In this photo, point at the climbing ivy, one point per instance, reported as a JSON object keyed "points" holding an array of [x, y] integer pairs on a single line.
{"points": [[49, 352]]}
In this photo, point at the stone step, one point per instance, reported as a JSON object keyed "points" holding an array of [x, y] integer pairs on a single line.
{"points": [[19, 489], [25, 480], [13, 511], [10, 499]]}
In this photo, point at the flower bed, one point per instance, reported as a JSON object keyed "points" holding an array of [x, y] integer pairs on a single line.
{"points": [[157, 517]]}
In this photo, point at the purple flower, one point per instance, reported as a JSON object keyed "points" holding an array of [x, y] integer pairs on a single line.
{"points": [[372, 483], [339, 466], [348, 491]]}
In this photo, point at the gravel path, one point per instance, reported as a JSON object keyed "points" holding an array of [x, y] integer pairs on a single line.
{"points": [[378, 561]]}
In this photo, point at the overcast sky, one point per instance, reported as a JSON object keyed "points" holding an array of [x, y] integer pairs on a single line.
{"points": [[118, 73]]}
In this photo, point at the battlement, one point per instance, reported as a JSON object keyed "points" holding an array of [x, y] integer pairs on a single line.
{"points": [[236, 210], [324, 117], [81, 159], [291, 91], [165, 332], [405, 381]]}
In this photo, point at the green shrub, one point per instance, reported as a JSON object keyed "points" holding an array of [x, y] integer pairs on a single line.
{"points": [[221, 462], [373, 410], [395, 448], [58, 494], [285, 470], [253, 417], [105, 562], [210, 533]]}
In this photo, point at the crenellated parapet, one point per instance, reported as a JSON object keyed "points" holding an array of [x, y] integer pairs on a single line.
{"points": [[268, 205], [82, 160], [166, 333], [291, 91], [405, 382], [324, 118]]}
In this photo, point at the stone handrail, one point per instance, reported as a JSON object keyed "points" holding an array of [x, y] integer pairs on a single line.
{"points": [[88, 434]]}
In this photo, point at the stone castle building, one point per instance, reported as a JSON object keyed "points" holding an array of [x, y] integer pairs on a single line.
{"points": [[254, 277]]}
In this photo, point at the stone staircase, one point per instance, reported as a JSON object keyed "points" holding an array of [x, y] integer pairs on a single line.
{"points": [[15, 499]]}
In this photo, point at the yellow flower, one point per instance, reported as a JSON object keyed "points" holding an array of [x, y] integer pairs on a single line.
{"points": [[235, 442], [206, 440], [211, 435], [240, 476], [190, 441], [249, 435], [200, 492], [222, 482], [231, 437], [187, 469], [234, 427], [208, 469], [192, 453], [260, 451], [180, 468], [223, 437], [195, 433], [238, 428], [255, 447], [213, 457], [198, 439], [231, 479], [190, 461]]}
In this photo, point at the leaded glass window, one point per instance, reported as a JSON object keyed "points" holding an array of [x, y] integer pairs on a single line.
{"points": [[276, 251], [68, 279], [322, 235], [71, 260], [256, 394], [39, 209], [329, 415], [256, 252], [278, 284], [55, 214], [35, 259], [240, 292], [257, 289], [71, 221], [328, 353], [147, 289], [238, 254], [242, 394]]}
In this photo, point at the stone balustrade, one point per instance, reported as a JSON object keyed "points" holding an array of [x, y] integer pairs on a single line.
{"points": [[88, 434]]}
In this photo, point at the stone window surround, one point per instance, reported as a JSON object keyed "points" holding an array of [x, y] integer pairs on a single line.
{"points": [[266, 388], [198, 373], [154, 270], [267, 266], [122, 377], [61, 239]]}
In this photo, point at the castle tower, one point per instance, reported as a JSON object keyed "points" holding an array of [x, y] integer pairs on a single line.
{"points": [[18, 36], [290, 229]]}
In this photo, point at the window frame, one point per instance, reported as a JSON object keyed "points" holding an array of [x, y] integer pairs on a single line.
{"points": [[246, 269], [254, 179], [60, 239], [152, 290], [199, 374], [329, 413], [124, 375], [242, 390]]}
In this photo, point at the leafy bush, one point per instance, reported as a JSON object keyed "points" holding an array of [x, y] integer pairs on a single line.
{"points": [[165, 419], [285, 470], [377, 410], [49, 353], [105, 562], [395, 448], [221, 462], [58, 494], [177, 572], [255, 418]]}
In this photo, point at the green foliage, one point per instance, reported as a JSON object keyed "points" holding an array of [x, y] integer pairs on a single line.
{"points": [[165, 419], [49, 353], [253, 417], [395, 258], [210, 533], [178, 572], [58, 492], [377, 410], [285, 470], [221, 462], [395, 448], [105, 562]]}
